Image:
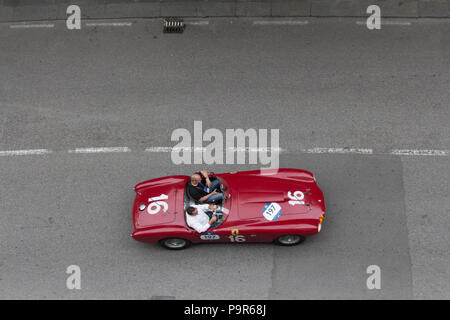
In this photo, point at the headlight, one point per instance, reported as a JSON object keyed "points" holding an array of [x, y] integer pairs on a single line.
{"points": [[142, 207]]}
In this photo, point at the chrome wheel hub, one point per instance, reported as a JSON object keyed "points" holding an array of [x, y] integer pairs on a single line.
{"points": [[291, 239], [175, 243]]}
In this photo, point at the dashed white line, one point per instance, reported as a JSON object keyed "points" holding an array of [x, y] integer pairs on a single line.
{"points": [[176, 149], [197, 23], [339, 150], [261, 149], [159, 149], [279, 22], [29, 26], [416, 152], [202, 149], [100, 150], [163, 149], [109, 24], [24, 152], [387, 23]]}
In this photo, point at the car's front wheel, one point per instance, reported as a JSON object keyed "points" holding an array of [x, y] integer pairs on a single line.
{"points": [[290, 240], [174, 243]]}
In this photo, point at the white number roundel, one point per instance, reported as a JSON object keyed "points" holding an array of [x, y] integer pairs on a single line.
{"points": [[272, 211]]}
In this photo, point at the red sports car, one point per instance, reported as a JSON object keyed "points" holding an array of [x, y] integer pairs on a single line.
{"points": [[282, 206]]}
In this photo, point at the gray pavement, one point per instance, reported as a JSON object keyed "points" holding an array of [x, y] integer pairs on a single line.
{"points": [[28, 10], [330, 83]]}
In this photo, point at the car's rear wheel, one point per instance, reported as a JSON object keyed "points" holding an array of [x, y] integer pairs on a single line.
{"points": [[290, 240], [174, 243]]}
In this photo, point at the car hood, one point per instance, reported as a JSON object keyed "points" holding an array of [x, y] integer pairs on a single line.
{"points": [[158, 201]]}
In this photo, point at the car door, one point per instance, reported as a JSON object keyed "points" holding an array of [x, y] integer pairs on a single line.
{"points": [[222, 233], [242, 232]]}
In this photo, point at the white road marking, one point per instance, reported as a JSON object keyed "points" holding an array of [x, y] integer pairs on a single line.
{"points": [[24, 152], [416, 152], [28, 26], [279, 22], [387, 23], [178, 149], [197, 23], [159, 149], [100, 150], [339, 150], [162, 149], [109, 24], [247, 149]]}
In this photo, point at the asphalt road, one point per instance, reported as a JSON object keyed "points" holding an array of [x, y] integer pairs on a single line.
{"points": [[330, 83]]}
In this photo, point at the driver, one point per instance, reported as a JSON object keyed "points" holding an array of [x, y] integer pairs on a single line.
{"points": [[200, 217], [207, 192]]}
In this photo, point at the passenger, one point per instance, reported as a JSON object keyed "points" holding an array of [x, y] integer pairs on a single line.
{"points": [[200, 217], [204, 192]]}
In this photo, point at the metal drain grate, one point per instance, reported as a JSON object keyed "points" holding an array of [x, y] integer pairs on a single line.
{"points": [[173, 25]]}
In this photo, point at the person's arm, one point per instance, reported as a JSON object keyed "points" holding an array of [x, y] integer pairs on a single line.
{"points": [[213, 219], [196, 194], [202, 227], [204, 207], [202, 199], [205, 175]]}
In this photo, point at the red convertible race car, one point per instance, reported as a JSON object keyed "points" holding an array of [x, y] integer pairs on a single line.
{"points": [[282, 206]]}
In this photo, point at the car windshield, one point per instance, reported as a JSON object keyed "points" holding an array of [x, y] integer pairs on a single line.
{"points": [[226, 203]]}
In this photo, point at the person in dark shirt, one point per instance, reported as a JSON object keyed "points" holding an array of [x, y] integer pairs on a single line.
{"points": [[204, 192]]}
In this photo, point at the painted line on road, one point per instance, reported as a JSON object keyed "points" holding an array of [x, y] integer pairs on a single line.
{"points": [[100, 150], [202, 149], [29, 26], [162, 149], [279, 22], [387, 23], [417, 152], [24, 152], [197, 23], [262, 149], [339, 150], [109, 24]]}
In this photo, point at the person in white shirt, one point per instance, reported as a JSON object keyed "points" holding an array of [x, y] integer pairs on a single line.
{"points": [[200, 217]]}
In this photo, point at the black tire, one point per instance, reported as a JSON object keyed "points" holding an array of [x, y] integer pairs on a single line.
{"points": [[174, 243], [290, 240]]}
